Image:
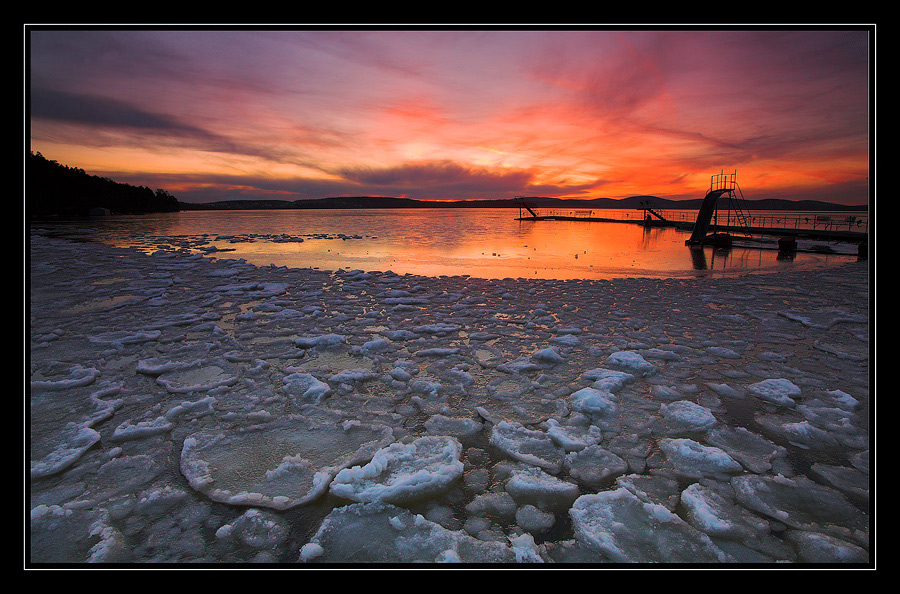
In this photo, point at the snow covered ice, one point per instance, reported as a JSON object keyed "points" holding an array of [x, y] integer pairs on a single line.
{"points": [[192, 409]]}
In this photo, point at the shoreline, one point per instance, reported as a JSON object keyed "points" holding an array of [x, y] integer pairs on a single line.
{"points": [[144, 354]]}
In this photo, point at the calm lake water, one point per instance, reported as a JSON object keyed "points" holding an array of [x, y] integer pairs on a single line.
{"points": [[486, 243]]}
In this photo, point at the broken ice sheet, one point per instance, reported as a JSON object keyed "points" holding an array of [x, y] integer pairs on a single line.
{"points": [[276, 465]]}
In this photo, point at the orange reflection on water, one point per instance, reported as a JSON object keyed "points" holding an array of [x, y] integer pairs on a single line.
{"points": [[485, 243]]}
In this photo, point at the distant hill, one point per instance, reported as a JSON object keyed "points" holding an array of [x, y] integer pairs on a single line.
{"points": [[54, 190], [631, 203]]}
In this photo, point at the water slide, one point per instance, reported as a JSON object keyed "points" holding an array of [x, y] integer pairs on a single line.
{"points": [[704, 216]]}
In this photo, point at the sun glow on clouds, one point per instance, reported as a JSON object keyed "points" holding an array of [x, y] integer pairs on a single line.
{"points": [[451, 114]]}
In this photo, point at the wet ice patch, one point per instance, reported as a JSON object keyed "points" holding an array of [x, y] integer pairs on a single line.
{"points": [[823, 319], [89, 537], [62, 376], [69, 445], [121, 338], [197, 378]]}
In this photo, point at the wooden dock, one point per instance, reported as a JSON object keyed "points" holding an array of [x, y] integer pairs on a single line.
{"points": [[804, 233], [738, 220]]}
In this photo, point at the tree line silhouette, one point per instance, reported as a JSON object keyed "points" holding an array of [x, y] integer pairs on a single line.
{"points": [[55, 190]]}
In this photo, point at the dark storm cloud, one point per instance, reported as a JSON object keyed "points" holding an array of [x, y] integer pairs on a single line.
{"points": [[86, 110]]}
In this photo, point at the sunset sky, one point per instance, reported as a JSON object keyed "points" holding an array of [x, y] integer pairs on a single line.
{"points": [[457, 114]]}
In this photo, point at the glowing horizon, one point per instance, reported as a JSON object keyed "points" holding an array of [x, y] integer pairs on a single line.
{"points": [[457, 115]]}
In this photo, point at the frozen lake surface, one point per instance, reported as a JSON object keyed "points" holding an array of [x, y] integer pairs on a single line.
{"points": [[187, 409]]}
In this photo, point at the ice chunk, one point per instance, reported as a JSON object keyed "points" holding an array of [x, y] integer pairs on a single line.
{"points": [[519, 365], [803, 504], [624, 529], [322, 341], [693, 459], [437, 352], [720, 517], [403, 472], [801, 433], [351, 376], [632, 362], [394, 535], [595, 467], [813, 547], [88, 536], [608, 379], [548, 355], [128, 431], [573, 437], [667, 393], [753, 451], [724, 390], [780, 391], [120, 338], [378, 345], [305, 388], [278, 465], [455, 426], [439, 328], [593, 402], [723, 352], [528, 484], [493, 504], [528, 445], [256, 528], [160, 365], [689, 414], [849, 480], [532, 519]]}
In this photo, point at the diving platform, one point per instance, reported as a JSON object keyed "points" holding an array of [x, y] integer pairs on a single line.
{"points": [[724, 201]]}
